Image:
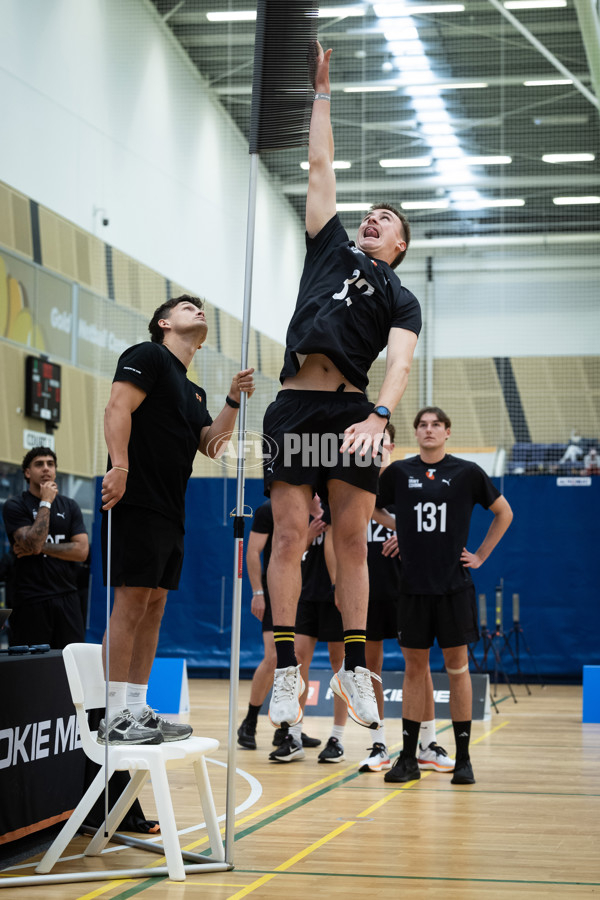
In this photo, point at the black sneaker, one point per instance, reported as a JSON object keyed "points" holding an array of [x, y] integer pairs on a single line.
{"points": [[125, 729], [405, 768], [280, 734], [310, 742], [332, 752], [288, 751], [246, 736], [463, 772]]}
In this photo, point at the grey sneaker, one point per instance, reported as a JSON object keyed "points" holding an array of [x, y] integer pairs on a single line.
{"points": [[124, 728], [170, 731], [356, 690]]}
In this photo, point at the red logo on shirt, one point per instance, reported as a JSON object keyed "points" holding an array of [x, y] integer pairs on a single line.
{"points": [[429, 474], [198, 398]]}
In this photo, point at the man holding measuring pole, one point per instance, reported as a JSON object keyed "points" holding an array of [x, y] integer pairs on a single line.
{"points": [[155, 422], [350, 306]]}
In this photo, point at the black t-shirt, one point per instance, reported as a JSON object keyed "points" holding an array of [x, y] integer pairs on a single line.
{"points": [[347, 303], [384, 571], [434, 504], [316, 583], [263, 524], [165, 429], [40, 577]]}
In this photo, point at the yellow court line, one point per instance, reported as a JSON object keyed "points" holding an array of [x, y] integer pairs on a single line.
{"points": [[276, 803], [290, 862], [389, 796], [488, 733], [105, 887]]}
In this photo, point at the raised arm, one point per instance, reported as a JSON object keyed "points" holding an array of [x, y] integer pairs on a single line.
{"points": [[216, 436], [320, 198]]}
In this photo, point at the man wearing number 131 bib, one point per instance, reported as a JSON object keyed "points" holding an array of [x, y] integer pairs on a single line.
{"points": [[434, 495]]}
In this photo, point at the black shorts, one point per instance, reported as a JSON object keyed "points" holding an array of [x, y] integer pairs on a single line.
{"points": [[451, 618], [382, 617], [147, 548], [322, 621], [57, 621], [303, 432]]}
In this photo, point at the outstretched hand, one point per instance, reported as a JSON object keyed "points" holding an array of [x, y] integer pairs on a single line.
{"points": [[318, 67]]}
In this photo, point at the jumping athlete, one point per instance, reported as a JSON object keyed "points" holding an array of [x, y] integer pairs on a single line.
{"points": [[350, 306]]}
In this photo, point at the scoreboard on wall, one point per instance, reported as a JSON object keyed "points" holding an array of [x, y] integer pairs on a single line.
{"points": [[42, 389]]}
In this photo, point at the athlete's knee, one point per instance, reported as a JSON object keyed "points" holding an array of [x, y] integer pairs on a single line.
{"points": [[460, 671]]}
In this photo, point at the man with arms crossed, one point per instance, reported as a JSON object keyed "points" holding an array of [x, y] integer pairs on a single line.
{"points": [[434, 495], [48, 536], [350, 305], [155, 422]]}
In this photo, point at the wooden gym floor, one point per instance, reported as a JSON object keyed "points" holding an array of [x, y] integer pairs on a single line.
{"points": [[529, 827]]}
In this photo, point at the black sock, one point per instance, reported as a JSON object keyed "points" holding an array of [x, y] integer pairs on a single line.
{"points": [[410, 737], [354, 649], [252, 714], [284, 646], [462, 736]]}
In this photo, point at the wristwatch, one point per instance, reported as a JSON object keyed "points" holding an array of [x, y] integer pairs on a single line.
{"points": [[383, 411], [45, 503]]}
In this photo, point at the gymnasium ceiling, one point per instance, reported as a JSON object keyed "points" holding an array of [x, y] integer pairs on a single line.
{"points": [[462, 73]]}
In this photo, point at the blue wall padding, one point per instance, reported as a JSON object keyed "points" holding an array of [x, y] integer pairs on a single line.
{"points": [[549, 556]]}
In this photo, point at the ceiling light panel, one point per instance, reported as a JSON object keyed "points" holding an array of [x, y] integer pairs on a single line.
{"points": [[568, 157], [574, 201], [400, 9]]}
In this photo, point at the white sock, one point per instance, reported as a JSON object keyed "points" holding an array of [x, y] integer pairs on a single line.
{"points": [[428, 734], [136, 698], [380, 734], [337, 731], [117, 698], [296, 732]]}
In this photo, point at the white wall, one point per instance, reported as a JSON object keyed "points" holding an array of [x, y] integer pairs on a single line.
{"points": [[100, 108]]}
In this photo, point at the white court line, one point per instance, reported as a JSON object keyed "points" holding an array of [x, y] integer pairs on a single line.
{"points": [[254, 796]]}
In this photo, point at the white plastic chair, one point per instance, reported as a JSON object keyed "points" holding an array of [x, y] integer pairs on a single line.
{"points": [[83, 663]]}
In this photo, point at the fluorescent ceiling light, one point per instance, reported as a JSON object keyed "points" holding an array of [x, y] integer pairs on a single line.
{"points": [[416, 162], [572, 201], [353, 207], [433, 129], [398, 33], [332, 12], [241, 16], [534, 4], [568, 157], [420, 104], [433, 116], [488, 160], [563, 119], [505, 201], [382, 10], [425, 204], [452, 152], [338, 12], [547, 81], [411, 63], [405, 48], [442, 140], [336, 165], [462, 86], [370, 90]]}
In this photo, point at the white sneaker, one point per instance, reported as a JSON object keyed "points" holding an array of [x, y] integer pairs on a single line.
{"points": [[285, 708], [435, 757], [356, 690], [377, 760]]}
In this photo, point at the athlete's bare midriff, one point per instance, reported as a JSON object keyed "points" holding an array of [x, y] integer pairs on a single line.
{"points": [[318, 373]]}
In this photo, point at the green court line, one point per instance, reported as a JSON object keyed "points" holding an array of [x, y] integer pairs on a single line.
{"points": [[420, 878]]}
